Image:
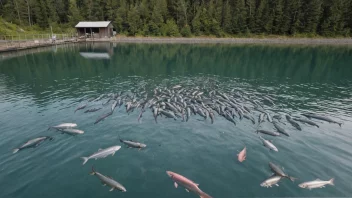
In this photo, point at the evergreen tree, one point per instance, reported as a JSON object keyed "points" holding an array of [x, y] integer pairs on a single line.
{"points": [[239, 18], [134, 20], [196, 24], [278, 14], [258, 21], [74, 16], [312, 13], [192, 17], [40, 13], [226, 19]]}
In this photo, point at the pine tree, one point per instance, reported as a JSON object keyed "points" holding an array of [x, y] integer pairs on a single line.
{"points": [[259, 17], [278, 14], [156, 22], [312, 14], [40, 13], [295, 12], [251, 10], [196, 24], [226, 20], [74, 16], [134, 20], [239, 18]]}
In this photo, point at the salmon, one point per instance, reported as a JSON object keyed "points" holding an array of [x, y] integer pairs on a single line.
{"points": [[187, 184], [242, 155]]}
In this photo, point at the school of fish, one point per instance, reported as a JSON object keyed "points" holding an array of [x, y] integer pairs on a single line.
{"points": [[180, 103]]}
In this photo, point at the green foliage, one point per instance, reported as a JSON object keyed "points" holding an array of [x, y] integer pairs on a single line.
{"points": [[170, 29], [134, 21], [189, 17], [186, 31]]}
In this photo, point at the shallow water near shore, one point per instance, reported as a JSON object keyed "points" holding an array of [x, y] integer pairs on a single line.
{"points": [[40, 88]]}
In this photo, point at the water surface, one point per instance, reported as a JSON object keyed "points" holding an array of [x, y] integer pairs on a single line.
{"points": [[43, 87]]}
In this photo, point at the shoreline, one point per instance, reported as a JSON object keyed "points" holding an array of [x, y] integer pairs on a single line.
{"points": [[201, 40], [23, 45]]}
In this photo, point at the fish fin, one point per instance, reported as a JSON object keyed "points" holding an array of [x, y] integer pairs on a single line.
{"points": [[186, 189], [318, 179], [292, 178], [204, 195], [110, 177], [15, 150], [113, 154], [276, 184], [100, 149], [332, 181], [85, 159], [102, 183], [111, 189], [175, 184]]}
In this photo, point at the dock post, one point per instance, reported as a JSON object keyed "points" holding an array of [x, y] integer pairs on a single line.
{"points": [[7, 45]]}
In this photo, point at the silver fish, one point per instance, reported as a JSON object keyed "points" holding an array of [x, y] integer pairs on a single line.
{"points": [[92, 110], [176, 87], [103, 117], [280, 129], [278, 171], [272, 133], [268, 144], [133, 144], [269, 117], [306, 121], [81, 107], [101, 153], [64, 126], [271, 181], [293, 123], [108, 181], [113, 106], [316, 184], [32, 143], [319, 117], [72, 131], [261, 118]]}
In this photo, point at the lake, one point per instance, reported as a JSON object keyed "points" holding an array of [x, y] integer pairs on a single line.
{"points": [[42, 87]]}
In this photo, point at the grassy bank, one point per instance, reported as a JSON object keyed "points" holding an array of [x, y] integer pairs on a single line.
{"points": [[7, 28]]}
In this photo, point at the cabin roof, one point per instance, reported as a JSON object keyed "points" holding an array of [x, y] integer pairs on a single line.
{"points": [[92, 24]]}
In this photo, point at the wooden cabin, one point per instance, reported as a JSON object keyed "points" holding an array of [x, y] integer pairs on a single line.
{"points": [[95, 29]]}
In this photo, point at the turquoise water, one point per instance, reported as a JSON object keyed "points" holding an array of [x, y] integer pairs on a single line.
{"points": [[42, 88]]}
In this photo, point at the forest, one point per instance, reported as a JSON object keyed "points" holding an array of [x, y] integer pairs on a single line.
{"points": [[221, 18]]}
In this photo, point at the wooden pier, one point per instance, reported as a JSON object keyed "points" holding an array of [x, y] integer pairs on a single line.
{"points": [[18, 42]]}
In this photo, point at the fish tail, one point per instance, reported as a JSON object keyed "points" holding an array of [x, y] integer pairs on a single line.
{"points": [[204, 195], [332, 181], [15, 150], [93, 171], [292, 178], [85, 160]]}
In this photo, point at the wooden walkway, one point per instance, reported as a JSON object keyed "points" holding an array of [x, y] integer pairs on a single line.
{"points": [[8, 46]]}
